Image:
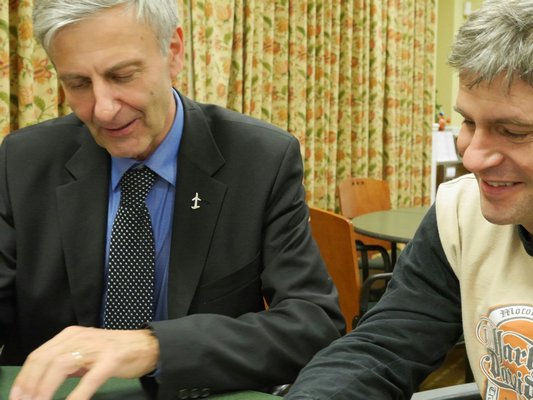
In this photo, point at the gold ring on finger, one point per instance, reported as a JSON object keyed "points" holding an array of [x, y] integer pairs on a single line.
{"points": [[78, 357]]}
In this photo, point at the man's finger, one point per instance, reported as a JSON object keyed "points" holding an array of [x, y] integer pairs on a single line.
{"points": [[91, 382], [41, 380]]}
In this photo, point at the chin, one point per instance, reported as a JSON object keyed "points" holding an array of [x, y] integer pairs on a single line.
{"points": [[498, 219], [121, 153], [125, 149]]}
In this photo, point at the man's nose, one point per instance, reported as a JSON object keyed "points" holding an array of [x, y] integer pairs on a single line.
{"points": [[106, 105], [479, 150]]}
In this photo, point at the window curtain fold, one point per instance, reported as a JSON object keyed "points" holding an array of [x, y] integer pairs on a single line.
{"points": [[29, 91], [352, 80]]}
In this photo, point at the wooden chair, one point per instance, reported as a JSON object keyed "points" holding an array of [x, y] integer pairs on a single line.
{"points": [[367, 298], [359, 196], [335, 237]]}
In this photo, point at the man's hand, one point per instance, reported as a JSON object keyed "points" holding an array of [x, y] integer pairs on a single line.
{"points": [[94, 354]]}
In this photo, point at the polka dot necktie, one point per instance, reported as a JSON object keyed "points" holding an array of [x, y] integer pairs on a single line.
{"points": [[130, 283]]}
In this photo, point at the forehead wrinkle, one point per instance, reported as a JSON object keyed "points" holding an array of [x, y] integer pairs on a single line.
{"points": [[110, 71], [491, 109], [501, 121]]}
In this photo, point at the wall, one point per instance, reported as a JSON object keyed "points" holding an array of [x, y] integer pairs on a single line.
{"points": [[450, 16]]}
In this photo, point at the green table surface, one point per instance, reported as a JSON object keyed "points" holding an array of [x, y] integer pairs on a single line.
{"points": [[396, 225], [117, 389]]}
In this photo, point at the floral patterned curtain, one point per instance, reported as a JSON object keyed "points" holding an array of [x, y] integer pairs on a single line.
{"points": [[352, 79], [28, 86]]}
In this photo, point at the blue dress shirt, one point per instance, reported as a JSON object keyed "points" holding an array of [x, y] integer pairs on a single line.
{"points": [[160, 201]]}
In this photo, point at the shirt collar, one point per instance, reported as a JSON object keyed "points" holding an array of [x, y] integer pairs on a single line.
{"points": [[163, 161], [526, 239]]}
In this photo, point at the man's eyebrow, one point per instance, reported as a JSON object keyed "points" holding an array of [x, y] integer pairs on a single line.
{"points": [[502, 121], [124, 64], [513, 121], [70, 76], [110, 71]]}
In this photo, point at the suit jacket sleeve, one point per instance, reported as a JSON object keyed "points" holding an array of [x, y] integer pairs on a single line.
{"points": [[7, 255], [254, 350]]}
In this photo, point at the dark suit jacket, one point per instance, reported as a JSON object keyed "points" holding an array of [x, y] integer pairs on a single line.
{"points": [[250, 238]]}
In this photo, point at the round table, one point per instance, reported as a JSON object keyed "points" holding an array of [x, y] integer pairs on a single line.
{"points": [[396, 225]]}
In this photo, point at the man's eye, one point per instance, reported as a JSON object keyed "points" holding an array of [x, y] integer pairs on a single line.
{"points": [[77, 85], [123, 78], [516, 135]]}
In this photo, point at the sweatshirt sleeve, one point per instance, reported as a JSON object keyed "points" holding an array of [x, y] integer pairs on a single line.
{"points": [[400, 340]]}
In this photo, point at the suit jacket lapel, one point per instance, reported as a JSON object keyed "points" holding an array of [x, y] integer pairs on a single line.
{"points": [[199, 158], [82, 209]]}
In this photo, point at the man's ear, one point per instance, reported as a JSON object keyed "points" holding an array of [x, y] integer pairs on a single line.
{"points": [[176, 53]]}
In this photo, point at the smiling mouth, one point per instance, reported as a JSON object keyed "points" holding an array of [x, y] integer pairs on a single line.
{"points": [[120, 131], [499, 184], [119, 128]]}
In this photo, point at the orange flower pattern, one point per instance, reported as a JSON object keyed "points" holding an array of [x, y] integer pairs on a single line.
{"points": [[352, 79]]}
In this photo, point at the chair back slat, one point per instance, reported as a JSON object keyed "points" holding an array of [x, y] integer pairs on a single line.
{"points": [[335, 238], [359, 196]]}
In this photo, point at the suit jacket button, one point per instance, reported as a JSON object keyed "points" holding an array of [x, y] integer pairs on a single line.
{"points": [[195, 393], [183, 394], [205, 392]]}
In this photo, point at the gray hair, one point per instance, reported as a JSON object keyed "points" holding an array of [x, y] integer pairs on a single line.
{"points": [[496, 40], [49, 16]]}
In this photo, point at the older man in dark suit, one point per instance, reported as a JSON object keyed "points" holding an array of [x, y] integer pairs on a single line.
{"points": [[228, 215]]}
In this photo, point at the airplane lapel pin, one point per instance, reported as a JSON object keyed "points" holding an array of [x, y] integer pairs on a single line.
{"points": [[196, 199]]}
